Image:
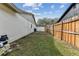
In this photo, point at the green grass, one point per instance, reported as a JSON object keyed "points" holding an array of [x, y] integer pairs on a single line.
{"points": [[42, 44]]}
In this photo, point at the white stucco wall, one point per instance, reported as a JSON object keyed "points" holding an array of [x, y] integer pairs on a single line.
{"points": [[40, 29], [14, 25]]}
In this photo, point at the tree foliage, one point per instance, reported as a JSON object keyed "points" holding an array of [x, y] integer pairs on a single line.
{"points": [[45, 21]]}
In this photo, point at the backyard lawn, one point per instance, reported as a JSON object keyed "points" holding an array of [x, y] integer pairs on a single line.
{"points": [[42, 44]]}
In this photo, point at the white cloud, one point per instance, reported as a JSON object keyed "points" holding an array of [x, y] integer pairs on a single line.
{"points": [[52, 6], [36, 8], [32, 4], [62, 6]]}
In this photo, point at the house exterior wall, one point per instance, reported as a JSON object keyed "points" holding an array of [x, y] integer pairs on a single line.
{"points": [[14, 25], [40, 28]]}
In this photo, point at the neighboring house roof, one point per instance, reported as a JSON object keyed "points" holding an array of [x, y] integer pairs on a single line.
{"points": [[14, 8], [66, 12]]}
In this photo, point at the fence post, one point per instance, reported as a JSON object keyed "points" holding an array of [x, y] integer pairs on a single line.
{"points": [[75, 32], [53, 30]]}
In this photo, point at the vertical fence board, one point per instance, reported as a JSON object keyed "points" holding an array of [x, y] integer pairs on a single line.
{"points": [[73, 30], [67, 33], [77, 36]]}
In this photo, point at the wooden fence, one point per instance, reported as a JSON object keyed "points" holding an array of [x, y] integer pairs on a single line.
{"points": [[67, 30]]}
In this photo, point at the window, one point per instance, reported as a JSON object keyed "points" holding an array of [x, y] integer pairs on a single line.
{"points": [[31, 25]]}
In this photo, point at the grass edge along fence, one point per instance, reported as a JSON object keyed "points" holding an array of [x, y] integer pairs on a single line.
{"points": [[67, 30]]}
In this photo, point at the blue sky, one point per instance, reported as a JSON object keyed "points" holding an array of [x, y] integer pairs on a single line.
{"points": [[42, 10]]}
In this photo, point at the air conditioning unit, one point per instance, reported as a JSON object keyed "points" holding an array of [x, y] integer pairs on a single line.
{"points": [[4, 46], [3, 40]]}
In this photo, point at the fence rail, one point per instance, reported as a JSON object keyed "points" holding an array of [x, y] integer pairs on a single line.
{"points": [[66, 30]]}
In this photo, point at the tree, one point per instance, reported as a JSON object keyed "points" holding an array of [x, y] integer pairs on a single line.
{"points": [[45, 21]]}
